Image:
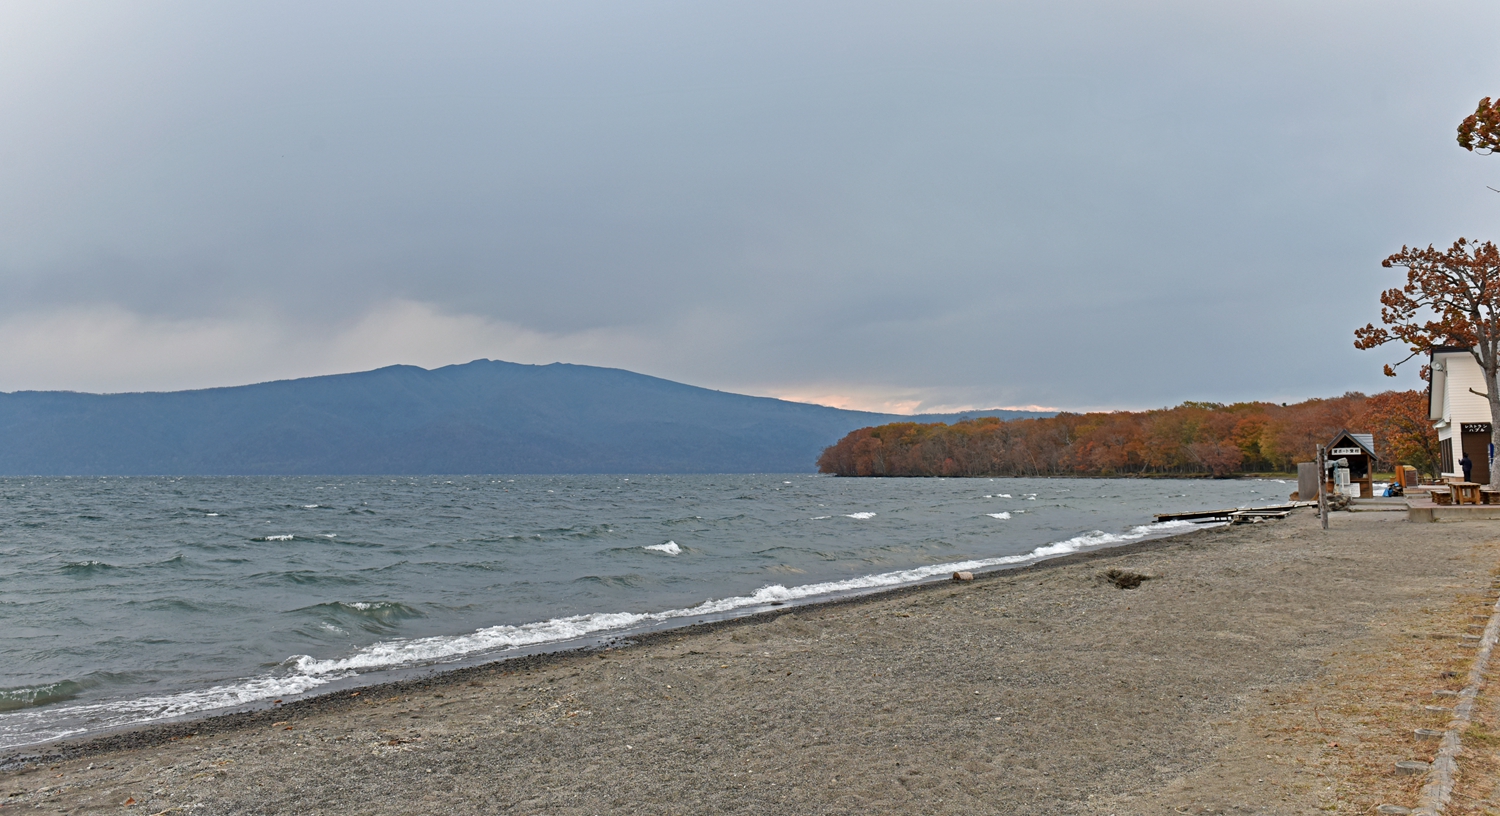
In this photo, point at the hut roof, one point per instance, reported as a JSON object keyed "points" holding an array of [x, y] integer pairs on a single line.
{"points": [[1366, 441]]}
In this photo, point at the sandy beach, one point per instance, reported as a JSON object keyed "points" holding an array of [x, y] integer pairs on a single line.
{"points": [[1268, 668]]}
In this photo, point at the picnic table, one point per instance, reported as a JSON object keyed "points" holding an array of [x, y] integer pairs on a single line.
{"points": [[1464, 492]]}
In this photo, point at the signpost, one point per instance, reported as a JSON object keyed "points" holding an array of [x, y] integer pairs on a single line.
{"points": [[1323, 488]]}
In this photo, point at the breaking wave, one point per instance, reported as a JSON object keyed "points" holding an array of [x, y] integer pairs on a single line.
{"points": [[29, 696], [57, 722]]}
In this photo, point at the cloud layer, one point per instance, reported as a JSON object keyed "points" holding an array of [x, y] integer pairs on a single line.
{"points": [[1076, 204]]}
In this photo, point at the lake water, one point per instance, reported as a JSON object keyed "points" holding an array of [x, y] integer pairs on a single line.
{"points": [[129, 600]]}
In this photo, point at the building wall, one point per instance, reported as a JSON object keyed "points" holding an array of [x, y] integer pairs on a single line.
{"points": [[1459, 403]]}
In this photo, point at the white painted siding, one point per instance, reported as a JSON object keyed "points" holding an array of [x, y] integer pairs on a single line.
{"points": [[1459, 403]]}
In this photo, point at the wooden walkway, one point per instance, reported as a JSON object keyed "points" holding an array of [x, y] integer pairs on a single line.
{"points": [[1235, 515]]}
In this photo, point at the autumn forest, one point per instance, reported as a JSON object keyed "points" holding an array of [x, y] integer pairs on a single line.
{"points": [[1192, 439]]}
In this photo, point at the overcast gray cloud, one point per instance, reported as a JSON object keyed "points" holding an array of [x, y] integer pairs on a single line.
{"points": [[1085, 204]]}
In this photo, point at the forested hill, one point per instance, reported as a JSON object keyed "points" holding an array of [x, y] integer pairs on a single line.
{"points": [[481, 417], [1192, 439]]}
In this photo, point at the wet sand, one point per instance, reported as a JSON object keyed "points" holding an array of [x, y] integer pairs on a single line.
{"points": [[1266, 668]]}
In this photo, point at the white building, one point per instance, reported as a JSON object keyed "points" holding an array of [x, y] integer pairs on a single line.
{"points": [[1459, 411]]}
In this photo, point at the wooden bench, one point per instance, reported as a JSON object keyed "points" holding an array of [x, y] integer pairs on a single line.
{"points": [[1489, 495]]}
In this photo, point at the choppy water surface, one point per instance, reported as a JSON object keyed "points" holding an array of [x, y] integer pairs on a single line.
{"points": [[126, 600]]}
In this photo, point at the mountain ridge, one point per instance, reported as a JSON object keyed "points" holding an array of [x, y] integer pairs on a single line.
{"points": [[485, 416]]}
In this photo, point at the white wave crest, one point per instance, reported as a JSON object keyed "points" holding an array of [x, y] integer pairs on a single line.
{"points": [[1001, 516], [56, 722], [670, 548], [861, 516], [287, 537]]}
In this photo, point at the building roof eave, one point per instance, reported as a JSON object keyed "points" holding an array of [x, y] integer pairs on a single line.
{"points": [[1358, 440]]}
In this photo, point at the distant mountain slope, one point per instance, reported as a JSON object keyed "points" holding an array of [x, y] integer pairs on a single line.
{"points": [[481, 417]]}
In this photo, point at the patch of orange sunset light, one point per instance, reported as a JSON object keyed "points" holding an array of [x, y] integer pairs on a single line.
{"points": [[905, 404]]}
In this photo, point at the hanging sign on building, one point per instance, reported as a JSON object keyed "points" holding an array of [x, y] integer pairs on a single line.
{"points": [[1476, 427], [1345, 451]]}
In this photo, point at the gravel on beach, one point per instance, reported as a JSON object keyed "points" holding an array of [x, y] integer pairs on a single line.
{"points": [[1226, 680]]}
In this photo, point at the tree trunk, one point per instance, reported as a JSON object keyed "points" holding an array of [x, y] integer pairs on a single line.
{"points": [[1494, 398], [1492, 395]]}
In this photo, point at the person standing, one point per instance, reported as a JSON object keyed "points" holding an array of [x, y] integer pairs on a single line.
{"points": [[1468, 467]]}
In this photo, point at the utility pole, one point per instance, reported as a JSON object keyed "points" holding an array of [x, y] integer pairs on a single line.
{"points": [[1322, 489]]}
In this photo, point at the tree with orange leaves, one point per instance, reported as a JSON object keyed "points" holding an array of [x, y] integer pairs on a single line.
{"points": [[1403, 433], [1451, 297], [1481, 129], [1192, 439]]}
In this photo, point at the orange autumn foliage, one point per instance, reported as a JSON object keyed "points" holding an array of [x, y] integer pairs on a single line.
{"points": [[1192, 439]]}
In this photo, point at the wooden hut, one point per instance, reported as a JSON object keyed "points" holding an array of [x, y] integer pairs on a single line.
{"points": [[1359, 450]]}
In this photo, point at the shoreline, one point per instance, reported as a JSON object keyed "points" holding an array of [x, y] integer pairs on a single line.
{"points": [[1265, 668], [527, 657], [656, 623]]}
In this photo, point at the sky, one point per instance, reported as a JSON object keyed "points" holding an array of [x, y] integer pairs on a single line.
{"points": [[890, 206]]}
